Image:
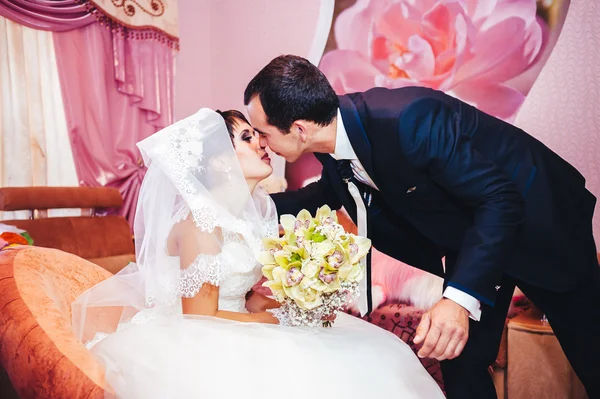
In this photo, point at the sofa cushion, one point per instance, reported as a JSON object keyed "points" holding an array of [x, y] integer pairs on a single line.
{"points": [[38, 349], [113, 264]]}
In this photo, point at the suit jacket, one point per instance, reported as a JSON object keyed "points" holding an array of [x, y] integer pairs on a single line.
{"points": [[487, 195]]}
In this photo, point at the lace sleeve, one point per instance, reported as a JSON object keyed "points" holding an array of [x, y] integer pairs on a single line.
{"points": [[204, 269]]}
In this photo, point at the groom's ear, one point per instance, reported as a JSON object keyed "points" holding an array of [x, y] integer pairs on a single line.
{"points": [[300, 127]]}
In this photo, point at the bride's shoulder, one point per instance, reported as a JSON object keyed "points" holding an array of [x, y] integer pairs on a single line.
{"points": [[185, 233]]}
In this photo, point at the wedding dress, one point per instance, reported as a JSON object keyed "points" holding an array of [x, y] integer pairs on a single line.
{"points": [[133, 322]]}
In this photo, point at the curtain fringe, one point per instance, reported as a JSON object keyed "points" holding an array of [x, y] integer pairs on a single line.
{"points": [[128, 31]]}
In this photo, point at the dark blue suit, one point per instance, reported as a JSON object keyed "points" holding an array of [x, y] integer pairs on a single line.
{"points": [[501, 206]]}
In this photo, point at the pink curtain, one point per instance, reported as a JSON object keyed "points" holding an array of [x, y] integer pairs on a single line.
{"points": [[52, 15], [116, 92]]}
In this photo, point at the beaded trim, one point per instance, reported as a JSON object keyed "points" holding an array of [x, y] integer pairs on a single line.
{"points": [[133, 32]]}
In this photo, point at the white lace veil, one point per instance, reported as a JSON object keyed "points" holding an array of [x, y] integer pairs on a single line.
{"points": [[193, 193]]}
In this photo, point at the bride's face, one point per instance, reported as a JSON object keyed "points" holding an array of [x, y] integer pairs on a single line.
{"points": [[254, 160]]}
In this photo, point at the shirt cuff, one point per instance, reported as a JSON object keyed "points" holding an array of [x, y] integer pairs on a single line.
{"points": [[465, 300]]}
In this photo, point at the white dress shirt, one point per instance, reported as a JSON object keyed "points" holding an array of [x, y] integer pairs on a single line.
{"points": [[343, 150]]}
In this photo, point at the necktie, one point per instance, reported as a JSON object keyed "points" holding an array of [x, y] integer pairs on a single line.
{"points": [[364, 300]]}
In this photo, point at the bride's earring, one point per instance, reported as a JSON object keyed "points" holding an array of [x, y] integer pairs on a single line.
{"points": [[220, 166]]}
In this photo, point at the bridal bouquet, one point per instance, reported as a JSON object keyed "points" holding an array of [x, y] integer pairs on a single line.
{"points": [[314, 269]]}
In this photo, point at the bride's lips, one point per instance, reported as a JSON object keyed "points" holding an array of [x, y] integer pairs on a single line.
{"points": [[266, 158]]}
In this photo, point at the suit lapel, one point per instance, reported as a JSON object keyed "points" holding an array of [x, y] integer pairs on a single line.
{"points": [[391, 167], [357, 135]]}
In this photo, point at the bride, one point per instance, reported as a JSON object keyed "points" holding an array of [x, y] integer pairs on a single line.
{"points": [[175, 324]]}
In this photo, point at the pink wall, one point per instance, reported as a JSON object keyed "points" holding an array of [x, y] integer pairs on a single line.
{"points": [[225, 42], [561, 109]]}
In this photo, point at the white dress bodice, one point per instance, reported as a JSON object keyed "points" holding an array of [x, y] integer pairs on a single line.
{"points": [[234, 270], [238, 278]]}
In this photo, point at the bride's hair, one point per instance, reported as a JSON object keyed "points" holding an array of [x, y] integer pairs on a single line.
{"points": [[232, 118]]}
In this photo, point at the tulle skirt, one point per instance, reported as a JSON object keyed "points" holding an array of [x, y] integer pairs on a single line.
{"points": [[204, 357]]}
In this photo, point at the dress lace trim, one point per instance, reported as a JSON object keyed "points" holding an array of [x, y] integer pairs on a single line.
{"points": [[181, 214], [204, 269]]}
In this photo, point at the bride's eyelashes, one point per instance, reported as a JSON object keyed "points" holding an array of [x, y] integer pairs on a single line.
{"points": [[248, 135]]}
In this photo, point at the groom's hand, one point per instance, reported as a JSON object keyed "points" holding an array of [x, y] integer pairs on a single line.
{"points": [[444, 329]]}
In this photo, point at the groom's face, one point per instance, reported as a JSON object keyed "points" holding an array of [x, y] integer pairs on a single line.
{"points": [[287, 145]]}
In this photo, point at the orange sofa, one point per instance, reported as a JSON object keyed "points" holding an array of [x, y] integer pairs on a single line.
{"points": [[104, 240], [38, 351]]}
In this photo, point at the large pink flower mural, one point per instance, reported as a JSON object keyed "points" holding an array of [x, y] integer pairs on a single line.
{"points": [[470, 49]]}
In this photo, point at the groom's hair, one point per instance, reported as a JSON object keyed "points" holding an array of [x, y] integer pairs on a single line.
{"points": [[290, 88]]}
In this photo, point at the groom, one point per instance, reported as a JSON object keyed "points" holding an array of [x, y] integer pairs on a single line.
{"points": [[437, 178]]}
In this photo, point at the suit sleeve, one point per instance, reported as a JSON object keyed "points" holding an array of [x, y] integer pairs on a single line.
{"points": [[310, 198], [436, 139]]}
